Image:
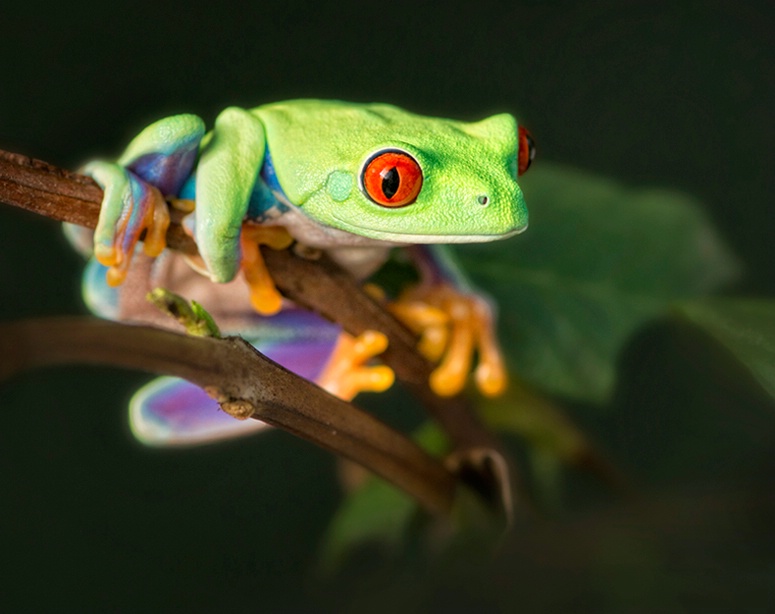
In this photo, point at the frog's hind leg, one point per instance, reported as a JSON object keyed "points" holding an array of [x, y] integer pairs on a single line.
{"points": [[154, 166], [173, 412], [347, 373]]}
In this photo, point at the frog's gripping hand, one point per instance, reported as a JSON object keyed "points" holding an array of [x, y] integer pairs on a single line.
{"points": [[156, 164], [454, 322], [452, 326]]}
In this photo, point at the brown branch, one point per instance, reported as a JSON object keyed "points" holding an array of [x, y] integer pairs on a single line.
{"points": [[241, 375], [319, 285], [62, 195], [324, 287]]}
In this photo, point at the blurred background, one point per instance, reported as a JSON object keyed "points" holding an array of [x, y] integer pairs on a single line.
{"points": [[675, 94]]}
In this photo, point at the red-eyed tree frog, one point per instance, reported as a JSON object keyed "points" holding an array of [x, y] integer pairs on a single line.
{"points": [[355, 180]]}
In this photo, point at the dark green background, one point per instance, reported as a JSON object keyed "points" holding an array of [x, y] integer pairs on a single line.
{"points": [[676, 94]]}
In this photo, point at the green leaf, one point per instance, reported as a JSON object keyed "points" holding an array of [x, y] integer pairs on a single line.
{"points": [[598, 260], [536, 419], [553, 439], [745, 327], [376, 512]]}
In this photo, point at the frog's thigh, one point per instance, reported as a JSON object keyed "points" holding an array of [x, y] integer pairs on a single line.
{"points": [[170, 411], [174, 412]]}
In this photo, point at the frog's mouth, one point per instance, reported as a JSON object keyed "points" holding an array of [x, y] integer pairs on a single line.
{"points": [[339, 232], [406, 237]]}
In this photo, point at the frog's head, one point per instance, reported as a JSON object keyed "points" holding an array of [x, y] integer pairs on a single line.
{"points": [[382, 173]]}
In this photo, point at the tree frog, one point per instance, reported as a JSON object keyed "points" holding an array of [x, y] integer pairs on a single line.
{"points": [[354, 180]]}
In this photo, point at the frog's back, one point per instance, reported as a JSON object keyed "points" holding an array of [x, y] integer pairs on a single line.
{"points": [[310, 138], [306, 113], [325, 120]]}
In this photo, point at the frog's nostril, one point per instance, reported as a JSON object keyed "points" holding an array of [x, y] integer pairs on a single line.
{"points": [[483, 200]]}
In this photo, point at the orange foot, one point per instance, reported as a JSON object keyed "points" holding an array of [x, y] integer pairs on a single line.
{"points": [[264, 296], [452, 326], [347, 374]]}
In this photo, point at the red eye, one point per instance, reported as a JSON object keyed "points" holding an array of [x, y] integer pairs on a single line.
{"points": [[527, 150], [392, 179]]}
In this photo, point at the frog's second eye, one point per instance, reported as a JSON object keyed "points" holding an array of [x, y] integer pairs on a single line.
{"points": [[527, 150], [392, 178]]}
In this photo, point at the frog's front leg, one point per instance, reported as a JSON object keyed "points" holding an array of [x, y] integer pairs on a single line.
{"points": [[226, 176], [228, 168], [454, 321], [264, 296], [155, 165]]}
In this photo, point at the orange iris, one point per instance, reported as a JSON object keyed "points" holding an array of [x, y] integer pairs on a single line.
{"points": [[392, 179]]}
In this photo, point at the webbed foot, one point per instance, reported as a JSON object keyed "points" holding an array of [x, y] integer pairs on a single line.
{"points": [[452, 326], [347, 374]]}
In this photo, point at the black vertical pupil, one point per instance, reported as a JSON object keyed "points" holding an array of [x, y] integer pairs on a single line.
{"points": [[390, 182]]}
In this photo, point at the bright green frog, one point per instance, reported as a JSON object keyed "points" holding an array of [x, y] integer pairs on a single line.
{"points": [[355, 180]]}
